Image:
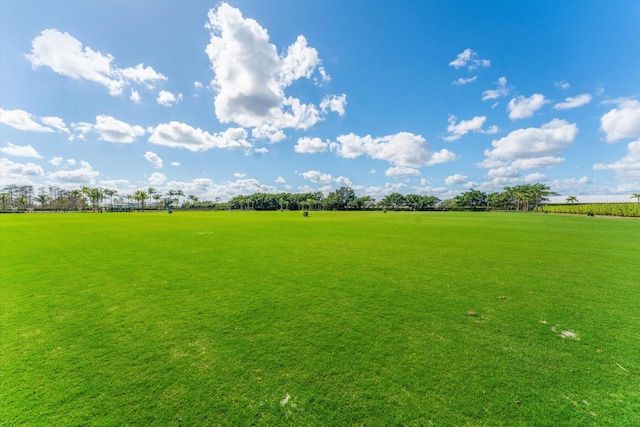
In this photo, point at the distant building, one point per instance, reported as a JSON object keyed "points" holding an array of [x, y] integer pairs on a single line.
{"points": [[601, 198]]}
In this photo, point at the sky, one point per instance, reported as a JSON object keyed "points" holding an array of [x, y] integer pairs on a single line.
{"points": [[220, 99]]}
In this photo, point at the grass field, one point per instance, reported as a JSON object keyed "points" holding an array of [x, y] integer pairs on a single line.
{"points": [[339, 319]]}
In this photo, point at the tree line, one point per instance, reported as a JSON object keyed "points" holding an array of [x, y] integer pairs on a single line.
{"points": [[524, 198]]}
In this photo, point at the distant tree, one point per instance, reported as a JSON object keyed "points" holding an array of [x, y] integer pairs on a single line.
{"points": [[471, 199], [572, 199], [141, 196], [4, 198], [636, 196], [42, 198]]}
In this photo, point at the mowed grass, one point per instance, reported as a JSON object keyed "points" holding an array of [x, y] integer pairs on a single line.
{"points": [[339, 319]]}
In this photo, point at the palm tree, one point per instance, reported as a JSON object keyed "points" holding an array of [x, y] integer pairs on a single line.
{"points": [[157, 197], [141, 196], [42, 199], [4, 197], [636, 196], [572, 199]]}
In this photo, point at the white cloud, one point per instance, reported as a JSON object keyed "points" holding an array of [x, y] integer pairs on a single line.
{"points": [[401, 149], [334, 103], [176, 164], [455, 179], [11, 172], [21, 120], [167, 99], [82, 129], [573, 102], [503, 172], [469, 58], [457, 130], [546, 140], [622, 122], [270, 132], [197, 85], [56, 161], [536, 177], [154, 159], [521, 107], [56, 123], [461, 81], [562, 85], [66, 56], [281, 180], [401, 171], [500, 91], [135, 96], [310, 145], [112, 130], [262, 150], [537, 162], [627, 167], [250, 76], [83, 175], [20, 150], [240, 175], [315, 176], [181, 135], [157, 178], [343, 181]]}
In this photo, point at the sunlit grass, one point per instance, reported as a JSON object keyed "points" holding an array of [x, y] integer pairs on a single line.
{"points": [[270, 318]]}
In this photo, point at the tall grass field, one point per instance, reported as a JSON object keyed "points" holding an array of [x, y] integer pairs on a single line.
{"points": [[338, 319]]}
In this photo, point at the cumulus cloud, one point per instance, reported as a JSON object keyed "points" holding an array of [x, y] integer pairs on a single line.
{"points": [[310, 145], [21, 120], [281, 180], [154, 159], [11, 172], [250, 77], [176, 164], [334, 103], [622, 122], [461, 81], [627, 167], [180, 135], [401, 149], [82, 175], [66, 56], [500, 90], [261, 150], [573, 102], [240, 175], [56, 161], [550, 138], [455, 179], [20, 151], [56, 123], [167, 99], [270, 132], [521, 107], [457, 130], [135, 96], [537, 162], [112, 130], [316, 176], [198, 85], [157, 178], [469, 58], [401, 171]]}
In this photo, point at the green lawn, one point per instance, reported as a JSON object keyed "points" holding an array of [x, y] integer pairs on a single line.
{"points": [[339, 319]]}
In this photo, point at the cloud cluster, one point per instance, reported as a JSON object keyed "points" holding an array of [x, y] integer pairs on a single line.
{"points": [[20, 151], [66, 55], [457, 130], [522, 107], [401, 149], [468, 58], [622, 122], [181, 135], [250, 76]]}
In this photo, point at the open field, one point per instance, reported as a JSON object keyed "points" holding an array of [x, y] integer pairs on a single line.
{"points": [[269, 318]]}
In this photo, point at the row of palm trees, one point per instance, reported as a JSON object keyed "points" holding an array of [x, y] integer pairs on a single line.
{"points": [[574, 199], [24, 198]]}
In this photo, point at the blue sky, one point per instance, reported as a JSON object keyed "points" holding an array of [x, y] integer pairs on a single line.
{"points": [[221, 99]]}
